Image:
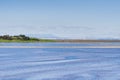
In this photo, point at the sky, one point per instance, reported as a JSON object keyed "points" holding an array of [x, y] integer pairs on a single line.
{"points": [[73, 19]]}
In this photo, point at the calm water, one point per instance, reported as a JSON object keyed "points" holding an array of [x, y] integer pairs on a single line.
{"points": [[59, 63], [61, 44]]}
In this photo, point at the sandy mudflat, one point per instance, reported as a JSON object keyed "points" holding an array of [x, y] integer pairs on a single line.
{"points": [[59, 46]]}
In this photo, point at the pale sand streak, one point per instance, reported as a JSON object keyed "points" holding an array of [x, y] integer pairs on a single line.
{"points": [[59, 46]]}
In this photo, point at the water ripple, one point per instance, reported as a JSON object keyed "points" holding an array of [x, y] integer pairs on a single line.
{"points": [[59, 64]]}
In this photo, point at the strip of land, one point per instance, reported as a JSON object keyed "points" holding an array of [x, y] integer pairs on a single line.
{"points": [[53, 40], [59, 46], [24, 38]]}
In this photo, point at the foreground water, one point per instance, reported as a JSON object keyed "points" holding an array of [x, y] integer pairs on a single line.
{"points": [[59, 63]]}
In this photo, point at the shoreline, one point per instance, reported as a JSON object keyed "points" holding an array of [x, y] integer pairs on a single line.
{"points": [[55, 41], [60, 47]]}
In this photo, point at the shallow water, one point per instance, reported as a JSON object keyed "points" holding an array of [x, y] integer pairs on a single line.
{"points": [[59, 63], [62, 44]]}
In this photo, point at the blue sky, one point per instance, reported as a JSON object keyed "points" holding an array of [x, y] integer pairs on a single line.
{"points": [[62, 18]]}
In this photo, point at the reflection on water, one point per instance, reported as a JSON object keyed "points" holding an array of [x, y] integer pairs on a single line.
{"points": [[59, 64]]}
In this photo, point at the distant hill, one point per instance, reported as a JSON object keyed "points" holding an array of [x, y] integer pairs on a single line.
{"points": [[43, 36], [50, 36]]}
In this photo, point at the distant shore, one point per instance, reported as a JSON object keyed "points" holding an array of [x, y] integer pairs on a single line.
{"points": [[78, 40], [57, 40], [26, 41], [24, 38]]}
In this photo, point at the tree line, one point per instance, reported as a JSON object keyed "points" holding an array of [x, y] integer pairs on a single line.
{"points": [[16, 37]]}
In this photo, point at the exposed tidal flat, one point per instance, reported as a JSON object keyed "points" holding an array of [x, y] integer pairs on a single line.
{"points": [[59, 63]]}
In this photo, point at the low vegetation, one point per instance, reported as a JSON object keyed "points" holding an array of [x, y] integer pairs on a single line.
{"points": [[21, 38], [24, 38]]}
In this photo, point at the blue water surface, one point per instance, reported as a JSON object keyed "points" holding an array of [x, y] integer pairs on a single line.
{"points": [[59, 63]]}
